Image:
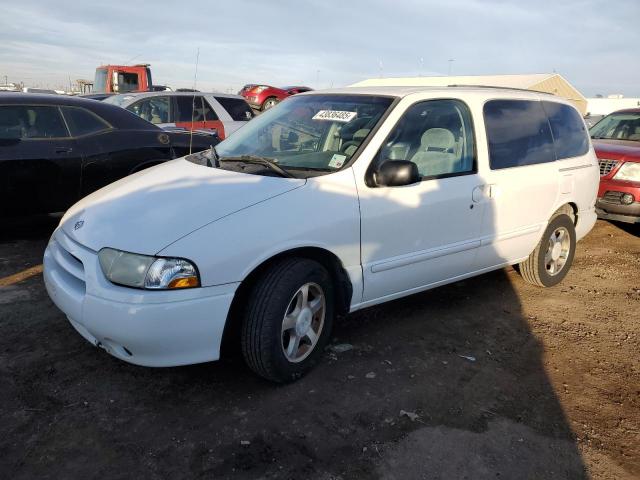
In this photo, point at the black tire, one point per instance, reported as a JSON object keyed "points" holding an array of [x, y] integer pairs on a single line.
{"points": [[262, 337], [534, 269], [269, 103]]}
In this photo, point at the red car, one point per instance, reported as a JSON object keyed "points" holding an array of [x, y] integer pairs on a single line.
{"points": [[616, 139], [263, 97]]}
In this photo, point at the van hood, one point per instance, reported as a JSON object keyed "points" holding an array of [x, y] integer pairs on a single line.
{"points": [[147, 211]]}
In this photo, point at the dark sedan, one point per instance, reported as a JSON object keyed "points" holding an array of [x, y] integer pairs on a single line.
{"points": [[54, 150]]}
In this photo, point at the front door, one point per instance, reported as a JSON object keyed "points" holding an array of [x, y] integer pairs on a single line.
{"points": [[39, 161], [426, 233]]}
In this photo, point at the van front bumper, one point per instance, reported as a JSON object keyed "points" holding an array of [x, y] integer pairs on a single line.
{"points": [[150, 328]]}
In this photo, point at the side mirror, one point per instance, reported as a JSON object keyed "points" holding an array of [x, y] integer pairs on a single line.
{"points": [[396, 173]]}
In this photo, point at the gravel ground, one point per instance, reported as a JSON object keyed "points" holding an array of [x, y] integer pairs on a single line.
{"points": [[486, 378]]}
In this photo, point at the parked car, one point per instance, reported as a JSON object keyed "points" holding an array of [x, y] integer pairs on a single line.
{"points": [[264, 97], [192, 110], [329, 203], [616, 139], [56, 149]]}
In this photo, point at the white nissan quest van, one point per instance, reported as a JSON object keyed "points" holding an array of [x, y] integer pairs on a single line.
{"points": [[328, 203]]}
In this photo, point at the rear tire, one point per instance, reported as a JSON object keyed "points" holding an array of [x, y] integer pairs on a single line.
{"points": [[285, 330], [551, 260]]}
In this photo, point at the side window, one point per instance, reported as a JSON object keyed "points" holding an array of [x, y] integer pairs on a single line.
{"points": [[518, 133], [208, 111], [238, 108], [189, 108], [569, 133], [152, 109], [25, 121], [436, 135], [83, 122]]}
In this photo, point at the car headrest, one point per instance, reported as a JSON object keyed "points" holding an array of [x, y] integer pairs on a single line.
{"points": [[359, 135], [437, 139]]}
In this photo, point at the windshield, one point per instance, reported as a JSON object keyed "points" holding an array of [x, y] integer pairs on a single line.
{"points": [[306, 135], [100, 82], [118, 100], [618, 126]]}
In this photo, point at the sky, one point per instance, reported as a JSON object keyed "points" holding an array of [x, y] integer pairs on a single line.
{"points": [[322, 43]]}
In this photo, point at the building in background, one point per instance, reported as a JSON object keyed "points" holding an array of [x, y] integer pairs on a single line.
{"points": [[542, 82], [604, 106]]}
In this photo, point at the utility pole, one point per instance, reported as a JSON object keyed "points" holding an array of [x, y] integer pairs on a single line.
{"points": [[451, 60]]}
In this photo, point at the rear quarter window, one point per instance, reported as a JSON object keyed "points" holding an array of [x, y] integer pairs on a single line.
{"points": [[569, 133], [83, 122], [518, 133], [237, 108]]}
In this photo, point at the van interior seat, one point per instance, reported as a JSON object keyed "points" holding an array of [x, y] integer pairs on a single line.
{"points": [[434, 155]]}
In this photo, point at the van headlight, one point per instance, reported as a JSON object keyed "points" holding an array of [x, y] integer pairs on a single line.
{"points": [[628, 171], [144, 271]]}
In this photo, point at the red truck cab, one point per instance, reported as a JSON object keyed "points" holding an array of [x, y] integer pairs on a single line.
{"points": [[616, 140], [122, 78]]}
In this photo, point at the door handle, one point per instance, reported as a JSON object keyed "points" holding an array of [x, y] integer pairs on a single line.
{"points": [[480, 193], [483, 192], [64, 149]]}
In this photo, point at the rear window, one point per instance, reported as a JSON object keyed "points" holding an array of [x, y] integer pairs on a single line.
{"points": [[569, 133], [83, 122], [237, 108], [518, 133]]}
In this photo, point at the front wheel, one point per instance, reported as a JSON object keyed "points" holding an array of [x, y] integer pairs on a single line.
{"points": [[288, 320], [549, 263], [269, 103]]}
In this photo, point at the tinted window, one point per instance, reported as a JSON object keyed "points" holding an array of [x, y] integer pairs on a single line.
{"points": [[208, 111], [435, 135], [83, 122], [152, 109], [237, 108], [518, 133], [189, 109], [22, 121], [569, 133]]}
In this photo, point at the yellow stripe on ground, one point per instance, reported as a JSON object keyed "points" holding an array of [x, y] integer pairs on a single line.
{"points": [[20, 276]]}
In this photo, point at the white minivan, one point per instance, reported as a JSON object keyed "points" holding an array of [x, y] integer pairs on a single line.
{"points": [[328, 203]]}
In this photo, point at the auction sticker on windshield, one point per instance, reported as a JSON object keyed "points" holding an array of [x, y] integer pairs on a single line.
{"points": [[335, 115]]}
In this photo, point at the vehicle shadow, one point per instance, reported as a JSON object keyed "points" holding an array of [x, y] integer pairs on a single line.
{"points": [[631, 228]]}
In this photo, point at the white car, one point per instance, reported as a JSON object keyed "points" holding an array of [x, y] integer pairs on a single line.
{"points": [[328, 203], [191, 110]]}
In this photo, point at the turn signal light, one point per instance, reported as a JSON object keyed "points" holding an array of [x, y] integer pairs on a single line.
{"points": [[186, 282]]}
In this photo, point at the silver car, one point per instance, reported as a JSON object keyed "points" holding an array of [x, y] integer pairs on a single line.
{"points": [[191, 110]]}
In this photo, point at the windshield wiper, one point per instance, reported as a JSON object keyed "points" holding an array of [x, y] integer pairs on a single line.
{"points": [[257, 160]]}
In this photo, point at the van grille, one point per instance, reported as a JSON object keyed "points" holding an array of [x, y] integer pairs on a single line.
{"points": [[606, 166]]}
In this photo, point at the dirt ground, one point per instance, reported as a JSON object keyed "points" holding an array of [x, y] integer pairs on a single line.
{"points": [[486, 378]]}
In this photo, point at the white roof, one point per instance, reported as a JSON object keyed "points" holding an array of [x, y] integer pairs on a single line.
{"points": [[399, 91], [509, 81]]}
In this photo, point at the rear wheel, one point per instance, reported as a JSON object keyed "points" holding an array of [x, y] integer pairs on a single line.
{"points": [[549, 263], [269, 103], [288, 319]]}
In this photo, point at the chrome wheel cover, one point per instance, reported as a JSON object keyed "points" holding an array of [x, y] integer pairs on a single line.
{"points": [[302, 323], [558, 248]]}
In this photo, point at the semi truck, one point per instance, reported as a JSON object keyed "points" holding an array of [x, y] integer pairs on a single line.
{"points": [[122, 78]]}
